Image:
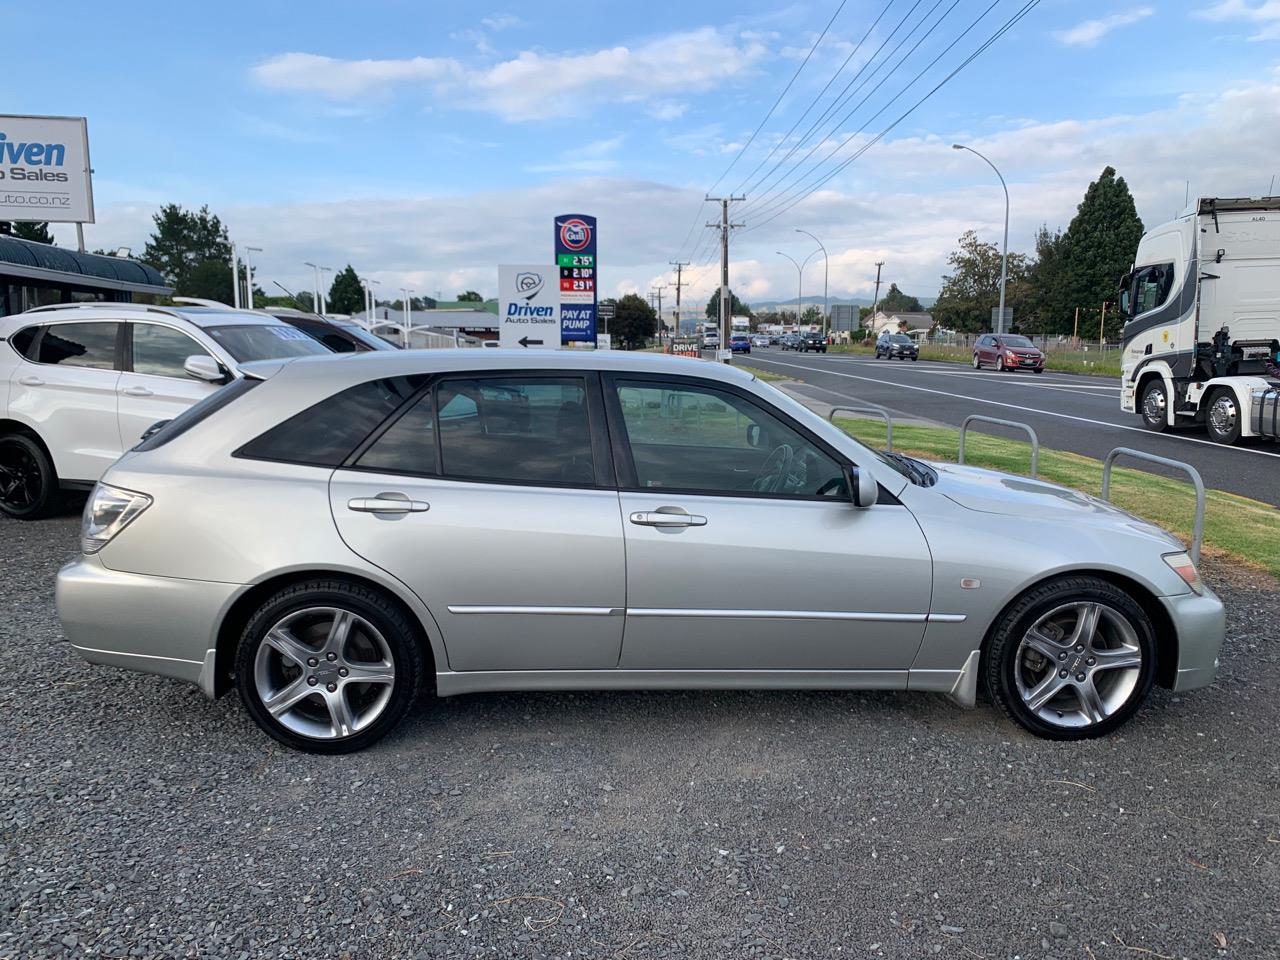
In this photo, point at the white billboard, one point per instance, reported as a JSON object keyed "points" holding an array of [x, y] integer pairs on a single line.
{"points": [[529, 306], [44, 169]]}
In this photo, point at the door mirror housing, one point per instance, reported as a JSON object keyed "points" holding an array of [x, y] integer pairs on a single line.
{"points": [[862, 486], [753, 434], [201, 367]]}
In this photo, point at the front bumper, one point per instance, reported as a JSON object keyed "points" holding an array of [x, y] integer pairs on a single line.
{"points": [[1200, 623], [159, 625]]}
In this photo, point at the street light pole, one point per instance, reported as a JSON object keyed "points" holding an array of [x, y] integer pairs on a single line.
{"points": [[826, 311], [235, 277], [1004, 254], [324, 303], [315, 286], [248, 274], [407, 320]]}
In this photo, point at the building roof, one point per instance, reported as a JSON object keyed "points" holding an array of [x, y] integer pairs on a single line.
{"points": [[45, 262]]}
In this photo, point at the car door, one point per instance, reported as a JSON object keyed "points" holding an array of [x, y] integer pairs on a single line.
{"points": [[67, 393], [743, 550], [492, 498], [155, 386]]}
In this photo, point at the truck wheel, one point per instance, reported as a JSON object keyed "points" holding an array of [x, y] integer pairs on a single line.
{"points": [[1155, 403], [1223, 417]]}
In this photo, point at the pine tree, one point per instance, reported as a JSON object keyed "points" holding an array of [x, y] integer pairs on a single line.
{"points": [[736, 307], [1051, 308], [895, 301], [182, 241], [34, 231], [346, 295], [1101, 242]]}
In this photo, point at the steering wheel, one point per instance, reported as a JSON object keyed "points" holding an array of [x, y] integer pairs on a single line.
{"points": [[775, 470]]}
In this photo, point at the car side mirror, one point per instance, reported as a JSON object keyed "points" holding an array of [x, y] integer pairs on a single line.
{"points": [[202, 367], [862, 486], [753, 434]]}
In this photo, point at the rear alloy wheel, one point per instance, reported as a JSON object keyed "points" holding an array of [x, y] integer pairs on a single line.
{"points": [[1072, 659], [1155, 404], [28, 482], [977, 364], [328, 666], [1223, 418]]}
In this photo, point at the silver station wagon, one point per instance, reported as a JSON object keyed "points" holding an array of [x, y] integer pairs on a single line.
{"points": [[333, 536]]}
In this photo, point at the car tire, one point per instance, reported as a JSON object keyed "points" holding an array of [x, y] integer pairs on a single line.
{"points": [[313, 717], [28, 481], [1000, 364], [915, 358], [1039, 370], [1028, 684], [977, 364], [1222, 416], [1152, 407]]}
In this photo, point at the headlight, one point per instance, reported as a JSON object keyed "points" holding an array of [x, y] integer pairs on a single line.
{"points": [[108, 511], [1180, 563]]}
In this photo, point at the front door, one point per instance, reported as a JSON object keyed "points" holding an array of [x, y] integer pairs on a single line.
{"points": [[743, 550], [155, 386], [490, 498]]}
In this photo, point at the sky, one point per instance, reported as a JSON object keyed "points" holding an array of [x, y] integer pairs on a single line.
{"points": [[425, 143]]}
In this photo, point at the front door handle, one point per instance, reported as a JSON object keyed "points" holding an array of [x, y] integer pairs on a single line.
{"points": [[659, 519], [31, 381], [387, 503], [137, 392]]}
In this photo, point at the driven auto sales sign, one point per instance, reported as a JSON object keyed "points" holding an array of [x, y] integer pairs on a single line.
{"points": [[576, 260], [529, 306], [44, 169]]}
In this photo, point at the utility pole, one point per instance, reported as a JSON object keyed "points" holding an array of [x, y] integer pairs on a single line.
{"points": [[657, 292], [679, 265], [1075, 332], [248, 275], [875, 304], [725, 226], [1102, 327]]}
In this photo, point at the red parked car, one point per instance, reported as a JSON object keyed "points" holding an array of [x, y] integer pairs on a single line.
{"points": [[1007, 351]]}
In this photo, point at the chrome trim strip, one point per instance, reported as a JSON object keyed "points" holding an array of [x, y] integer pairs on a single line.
{"points": [[689, 612], [450, 683], [947, 618], [466, 609]]}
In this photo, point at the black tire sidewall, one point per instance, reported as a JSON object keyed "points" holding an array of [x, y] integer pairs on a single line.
{"points": [[48, 500], [406, 654], [999, 658]]}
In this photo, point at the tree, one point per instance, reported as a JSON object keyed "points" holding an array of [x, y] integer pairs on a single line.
{"points": [[736, 307], [1100, 244], [634, 322], [182, 241], [346, 293], [470, 297], [1049, 308], [209, 280], [895, 301], [36, 232], [972, 288]]}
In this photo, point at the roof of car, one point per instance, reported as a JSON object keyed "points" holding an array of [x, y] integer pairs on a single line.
{"points": [[200, 316]]}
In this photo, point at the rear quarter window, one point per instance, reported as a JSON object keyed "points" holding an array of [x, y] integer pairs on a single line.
{"points": [[24, 342], [201, 410]]}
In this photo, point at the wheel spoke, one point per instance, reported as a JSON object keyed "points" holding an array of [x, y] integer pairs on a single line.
{"points": [[1090, 701], [382, 673], [1120, 658], [1043, 644], [1044, 691], [288, 697], [1086, 627], [282, 640], [340, 717], [339, 631]]}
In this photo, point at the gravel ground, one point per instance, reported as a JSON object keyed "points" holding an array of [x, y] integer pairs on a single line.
{"points": [[140, 820]]}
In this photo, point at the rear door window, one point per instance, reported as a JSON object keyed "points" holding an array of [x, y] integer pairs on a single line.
{"points": [[91, 344]]}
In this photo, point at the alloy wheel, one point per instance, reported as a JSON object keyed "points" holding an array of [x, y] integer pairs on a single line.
{"points": [[19, 477], [1224, 417], [1078, 664], [1153, 405], [324, 673]]}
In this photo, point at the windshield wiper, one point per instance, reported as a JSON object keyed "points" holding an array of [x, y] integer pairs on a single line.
{"points": [[915, 471]]}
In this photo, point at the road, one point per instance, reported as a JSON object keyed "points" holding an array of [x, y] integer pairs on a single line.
{"points": [[1068, 412]]}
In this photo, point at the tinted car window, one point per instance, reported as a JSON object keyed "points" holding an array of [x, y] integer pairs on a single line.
{"points": [[80, 345], [162, 351], [326, 433], [24, 340], [515, 430], [201, 410], [710, 441], [408, 445], [260, 341], [1021, 343]]}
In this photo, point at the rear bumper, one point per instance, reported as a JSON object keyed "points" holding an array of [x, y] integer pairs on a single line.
{"points": [[158, 625], [1201, 624]]}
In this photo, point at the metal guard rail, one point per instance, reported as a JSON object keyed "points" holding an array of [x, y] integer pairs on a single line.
{"points": [[869, 408], [1197, 534], [1035, 439]]}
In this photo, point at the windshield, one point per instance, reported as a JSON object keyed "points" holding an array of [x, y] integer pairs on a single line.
{"points": [[900, 338], [1020, 342], [373, 341], [259, 341]]}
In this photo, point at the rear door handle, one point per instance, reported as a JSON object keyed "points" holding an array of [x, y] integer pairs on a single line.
{"points": [[31, 382], [387, 503], [658, 519], [137, 392]]}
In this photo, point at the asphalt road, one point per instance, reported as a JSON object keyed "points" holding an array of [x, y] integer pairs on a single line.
{"points": [[140, 820], [1068, 412]]}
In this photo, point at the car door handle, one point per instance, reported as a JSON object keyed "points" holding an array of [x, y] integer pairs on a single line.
{"points": [[387, 503], [137, 392], [658, 519], [31, 382]]}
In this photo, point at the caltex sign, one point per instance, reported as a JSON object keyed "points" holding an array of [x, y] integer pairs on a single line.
{"points": [[575, 250]]}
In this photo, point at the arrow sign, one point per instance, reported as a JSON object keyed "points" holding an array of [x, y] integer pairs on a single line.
{"points": [[526, 342]]}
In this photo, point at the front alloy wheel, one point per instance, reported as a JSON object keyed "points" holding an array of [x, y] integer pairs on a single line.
{"points": [[1155, 403], [1223, 418], [328, 666], [1072, 659], [977, 364]]}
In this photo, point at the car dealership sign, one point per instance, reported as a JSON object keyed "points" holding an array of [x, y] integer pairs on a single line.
{"points": [[529, 306], [575, 250], [44, 169]]}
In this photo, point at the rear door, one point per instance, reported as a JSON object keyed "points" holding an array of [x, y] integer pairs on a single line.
{"points": [[154, 385], [492, 497]]}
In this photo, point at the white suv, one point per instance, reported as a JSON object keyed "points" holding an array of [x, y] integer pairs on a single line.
{"points": [[81, 383]]}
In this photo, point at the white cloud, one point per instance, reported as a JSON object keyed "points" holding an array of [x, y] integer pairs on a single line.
{"points": [[595, 157], [1088, 33], [666, 109], [531, 85], [502, 21], [1266, 13]]}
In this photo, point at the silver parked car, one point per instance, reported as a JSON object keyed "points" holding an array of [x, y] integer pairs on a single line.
{"points": [[331, 536]]}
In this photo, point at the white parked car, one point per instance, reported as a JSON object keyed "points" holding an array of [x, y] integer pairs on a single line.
{"points": [[81, 383]]}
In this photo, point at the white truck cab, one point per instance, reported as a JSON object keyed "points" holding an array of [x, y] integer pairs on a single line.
{"points": [[1202, 321]]}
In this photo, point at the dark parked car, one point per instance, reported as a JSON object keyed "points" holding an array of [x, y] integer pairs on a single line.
{"points": [[897, 346], [740, 342], [1007, 351], [813, 340], [340, 336]]}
